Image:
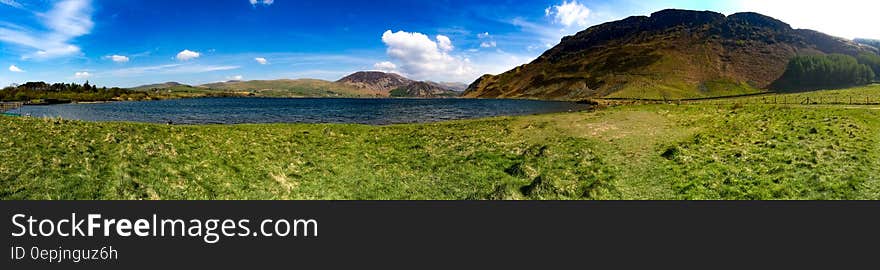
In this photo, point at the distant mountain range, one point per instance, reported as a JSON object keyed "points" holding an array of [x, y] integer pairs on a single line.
{"points": [[671, 54], [365, 84]]}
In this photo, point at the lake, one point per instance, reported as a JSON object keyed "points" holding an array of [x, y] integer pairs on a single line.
{"points": [[299, 110]]}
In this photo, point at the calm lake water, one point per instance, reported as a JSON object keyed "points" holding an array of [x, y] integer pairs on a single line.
{"points": [[299, 110]]}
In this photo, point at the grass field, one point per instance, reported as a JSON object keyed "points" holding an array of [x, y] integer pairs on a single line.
{"points": [[863, 95], [704, 151]]}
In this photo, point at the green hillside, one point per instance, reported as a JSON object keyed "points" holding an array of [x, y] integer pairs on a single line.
{"points": [[672, 54], [295, 88]]}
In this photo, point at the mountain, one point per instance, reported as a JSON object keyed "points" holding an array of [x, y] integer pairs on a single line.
{"points": [[158, 86], [670, 54], [365, 84], [296, 88], [398, 86], [423, 89], [870, 42], [452, 86], [374, 80]]}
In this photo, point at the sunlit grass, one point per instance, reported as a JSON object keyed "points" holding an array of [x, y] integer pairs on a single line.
{"points": [[630, 152]]}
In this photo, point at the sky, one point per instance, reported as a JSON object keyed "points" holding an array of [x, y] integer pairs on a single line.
{"points": [[136, 42]]}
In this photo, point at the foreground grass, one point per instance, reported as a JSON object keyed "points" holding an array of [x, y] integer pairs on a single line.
{"points": [[634, 152]]}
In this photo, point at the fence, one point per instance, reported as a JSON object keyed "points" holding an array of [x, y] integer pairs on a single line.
{"points": [[795, 100], [9, 106]]}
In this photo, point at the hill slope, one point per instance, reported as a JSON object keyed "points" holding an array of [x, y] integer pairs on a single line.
{"points": [[296, 88], [158, 86], [375, 80], [671, 54], [395, 85], [423, 89]]}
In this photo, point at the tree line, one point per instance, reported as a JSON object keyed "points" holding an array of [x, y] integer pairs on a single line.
{"points": [[66, 91], [812, 72]]}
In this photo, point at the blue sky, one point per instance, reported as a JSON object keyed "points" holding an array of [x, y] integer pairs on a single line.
{"points": [[129, 43]]}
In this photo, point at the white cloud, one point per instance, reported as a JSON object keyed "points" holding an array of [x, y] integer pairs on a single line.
{"points": [[422, 58], [82, 75], [261, 60], [14, 68], [12, 3], [187, 55], [67, 20], [386, 67], [235, 78], [444, 43], [488, 42], [118, 58], [167, 69], [569, 13], [198, 69], [843, 18], [264, 2]]}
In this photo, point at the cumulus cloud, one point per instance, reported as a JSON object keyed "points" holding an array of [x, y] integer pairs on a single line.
{"points": [[235, 78], [569, 13], [261, 60], [386, 67], [422, 58], [444, 43], [82, 75], [14, 68], [484, 35], [118, 58], [65, 21], [187, 55]]}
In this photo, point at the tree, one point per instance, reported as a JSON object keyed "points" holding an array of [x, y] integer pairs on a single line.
{"points": [[824, 71], [871, 60]]}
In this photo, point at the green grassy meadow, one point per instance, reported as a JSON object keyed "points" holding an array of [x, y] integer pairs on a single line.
{"points": [[699, 151]]}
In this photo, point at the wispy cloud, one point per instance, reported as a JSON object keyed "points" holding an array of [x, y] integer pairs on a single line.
{"points": [[117, 58], [12, 3], [66, 20], [167, 69]]}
